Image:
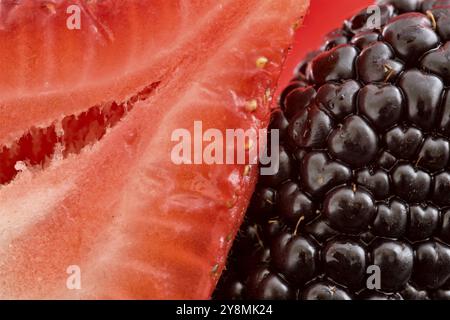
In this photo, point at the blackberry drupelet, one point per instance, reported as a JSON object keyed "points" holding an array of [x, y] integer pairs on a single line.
{"points": [[364, 168]]}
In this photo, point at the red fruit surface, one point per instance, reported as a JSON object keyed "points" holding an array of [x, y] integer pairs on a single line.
{"points": [[88, 114]]}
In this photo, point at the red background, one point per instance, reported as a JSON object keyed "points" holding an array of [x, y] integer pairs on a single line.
{"points": [[323, 16]]}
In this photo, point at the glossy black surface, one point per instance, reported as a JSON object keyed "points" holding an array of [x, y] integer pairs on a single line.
{"points": [[310, 128], [395, 260], [391, 220], [345, 262], [349, 211], [438, 62], [423, 93], [319, 173], [336, 64], [364, 174], [403, 142], [339, 99], [423, 222], [376, 181], [442, 17], [294, 204], [411, 35], [377, 63], [364, 39], [293, 253], [411, 184], [382, 104], [355, 142], [325, 291], [431, 4], [297, 100], [431, 264]]}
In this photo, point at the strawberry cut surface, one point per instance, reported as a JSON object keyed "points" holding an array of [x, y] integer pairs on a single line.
{"points": [[86, 118]]}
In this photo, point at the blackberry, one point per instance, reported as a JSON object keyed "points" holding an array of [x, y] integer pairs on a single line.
{"points": [[364, 177]]}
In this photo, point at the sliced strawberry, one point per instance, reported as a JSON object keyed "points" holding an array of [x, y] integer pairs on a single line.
{"points": [[106, 197]]}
